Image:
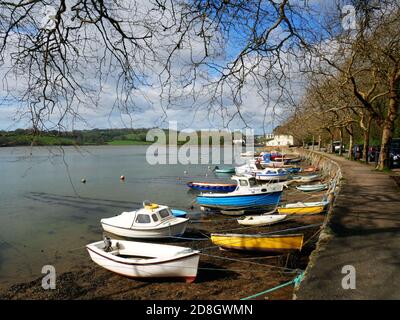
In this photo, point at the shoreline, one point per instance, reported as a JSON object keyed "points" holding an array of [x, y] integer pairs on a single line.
{"points": [[222, 274]]}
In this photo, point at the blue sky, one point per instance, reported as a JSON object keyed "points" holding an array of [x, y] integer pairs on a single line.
{"points": [[150, 112]]}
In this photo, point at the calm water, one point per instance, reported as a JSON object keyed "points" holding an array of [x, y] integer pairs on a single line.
{"points": [[47, 214]]}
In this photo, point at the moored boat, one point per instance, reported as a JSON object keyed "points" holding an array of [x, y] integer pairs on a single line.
{"points": [[272, 174], [145, 260], [224, 170], [312, 187], [258, 242], [303, 208], [248, 195], [178, 213], [152, 221], [308, 178], [261, 220]]}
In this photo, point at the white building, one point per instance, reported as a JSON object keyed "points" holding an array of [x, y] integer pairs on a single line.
{"points": [[279, 140]]}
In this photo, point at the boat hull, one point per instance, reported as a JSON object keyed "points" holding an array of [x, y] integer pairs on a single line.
{"points": [[261, 220], [258, 242], [164, 232], [238, 202], [183, 266], [213, 187], [312, 188], [302, 210]]}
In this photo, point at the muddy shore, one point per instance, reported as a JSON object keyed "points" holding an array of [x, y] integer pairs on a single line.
{"points": [[221, 275]]}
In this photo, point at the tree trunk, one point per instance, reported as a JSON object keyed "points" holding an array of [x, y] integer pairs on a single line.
{"points": [[366, 140], [351, 134], [388, 126], [319, 143], [341, 142], [313, 141]]}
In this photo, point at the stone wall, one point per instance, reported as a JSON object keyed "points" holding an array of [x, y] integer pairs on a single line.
{"points": [[331, 170]]}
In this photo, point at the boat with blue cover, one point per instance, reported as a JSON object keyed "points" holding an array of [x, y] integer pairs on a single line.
{"points": [[248, 195], [272, 174], [213, 187]]}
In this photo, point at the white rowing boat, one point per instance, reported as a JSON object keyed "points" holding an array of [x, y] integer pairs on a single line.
{"points": [[145, 260], [261, 220]]}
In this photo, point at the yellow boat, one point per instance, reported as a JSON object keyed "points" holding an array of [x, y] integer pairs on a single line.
{"points": [[258, 242], [303, 208]]}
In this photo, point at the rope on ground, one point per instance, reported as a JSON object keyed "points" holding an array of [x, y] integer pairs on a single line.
{"points": [[285, 269], [296, 281]]}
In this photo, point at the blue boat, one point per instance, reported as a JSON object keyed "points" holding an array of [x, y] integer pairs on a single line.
{"points": [[272, 174], [212, 187], [179, 213], [248, 195], [293, 170]]}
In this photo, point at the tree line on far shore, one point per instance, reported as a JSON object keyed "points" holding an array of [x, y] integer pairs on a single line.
{"points": [[124, 136]]}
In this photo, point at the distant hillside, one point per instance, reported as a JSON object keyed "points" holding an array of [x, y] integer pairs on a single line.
{"points": [[26, 137]]}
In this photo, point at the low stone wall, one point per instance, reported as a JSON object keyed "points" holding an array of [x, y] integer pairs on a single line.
{"points": [[331, 170]]}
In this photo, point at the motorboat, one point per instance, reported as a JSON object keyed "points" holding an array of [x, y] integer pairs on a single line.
{"points": [[151, 221], [247, 195]]}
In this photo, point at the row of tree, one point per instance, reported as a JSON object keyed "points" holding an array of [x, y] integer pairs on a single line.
{"points": [[353, 84]]}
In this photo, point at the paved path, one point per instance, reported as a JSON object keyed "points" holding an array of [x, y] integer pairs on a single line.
{"points": [[366, 234]]}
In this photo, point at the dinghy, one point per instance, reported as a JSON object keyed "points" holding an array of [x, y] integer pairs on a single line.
{"points": [[303, 208], [272, 174], [258, 242], [145, 260], [250, 168], [152, 221], [247, 195], [312, 187], [224, 170], [178, 213], [308, 178], [261, 220], [208, 186]]}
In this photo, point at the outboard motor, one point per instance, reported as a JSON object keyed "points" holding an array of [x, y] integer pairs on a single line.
{"points": [[107, 244]]}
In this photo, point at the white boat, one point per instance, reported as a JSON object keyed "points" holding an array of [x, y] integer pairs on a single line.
{"points": [[145, 260], [152, 221], [312, 187], [250, 168], [261, 220], [308, 178], [272, 174]]}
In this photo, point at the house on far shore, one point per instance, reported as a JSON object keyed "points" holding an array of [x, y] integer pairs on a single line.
{"points": [[276, 140]]}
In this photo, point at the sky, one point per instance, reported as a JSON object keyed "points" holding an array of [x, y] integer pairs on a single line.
{"points": [[150, 110]]}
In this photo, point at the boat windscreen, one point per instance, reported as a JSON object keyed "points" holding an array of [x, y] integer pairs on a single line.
{"points": [[164, 213], [142, 218]]}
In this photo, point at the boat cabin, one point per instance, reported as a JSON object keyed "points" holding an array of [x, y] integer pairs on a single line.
{"points": [[245, 182], [152, 214]]}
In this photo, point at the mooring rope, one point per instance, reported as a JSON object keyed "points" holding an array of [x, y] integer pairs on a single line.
{"points": [[296, 281]]}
